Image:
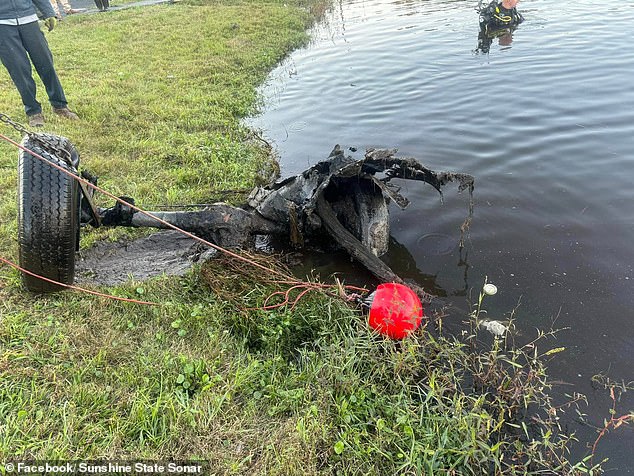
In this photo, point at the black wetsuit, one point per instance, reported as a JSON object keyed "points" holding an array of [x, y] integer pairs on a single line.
{"points": [[102, 5], [495, 16]]}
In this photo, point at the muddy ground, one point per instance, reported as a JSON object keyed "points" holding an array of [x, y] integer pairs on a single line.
{"points": [[163, 253]]}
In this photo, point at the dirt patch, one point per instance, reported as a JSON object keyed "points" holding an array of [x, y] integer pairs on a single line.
{"points": [[164, 253]]}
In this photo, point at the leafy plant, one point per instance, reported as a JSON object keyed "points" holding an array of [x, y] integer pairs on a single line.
{"points": [[193, 376], [178, 325]]}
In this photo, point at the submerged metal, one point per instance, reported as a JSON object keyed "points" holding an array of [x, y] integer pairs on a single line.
{"points": [[339, 201]]}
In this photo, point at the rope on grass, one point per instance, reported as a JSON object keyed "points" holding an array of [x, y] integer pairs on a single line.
{"points": [[76, 288], [285, 277], [306, 287], [143, 212]]}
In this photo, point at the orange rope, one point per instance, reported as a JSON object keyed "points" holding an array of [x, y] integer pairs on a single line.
{"points": [[143, 212], [70, 286], [306, 288], [288, 279]]}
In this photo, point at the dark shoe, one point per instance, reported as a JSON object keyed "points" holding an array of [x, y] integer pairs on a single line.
{"points": [[65, 112], [36, 120]]}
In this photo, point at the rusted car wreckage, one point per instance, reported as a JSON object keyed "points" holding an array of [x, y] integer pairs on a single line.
{"points": [[341, 199]]}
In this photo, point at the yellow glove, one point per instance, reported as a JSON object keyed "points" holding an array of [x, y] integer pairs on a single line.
{"points": [[50, 23]]}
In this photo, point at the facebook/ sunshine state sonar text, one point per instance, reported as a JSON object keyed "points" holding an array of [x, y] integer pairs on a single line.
{"points": [[127, 468]]}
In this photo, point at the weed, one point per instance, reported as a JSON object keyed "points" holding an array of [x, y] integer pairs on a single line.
{"points": [[193, 376]]}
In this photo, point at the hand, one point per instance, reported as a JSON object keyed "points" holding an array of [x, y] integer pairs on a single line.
{"points": [[50, 23]]}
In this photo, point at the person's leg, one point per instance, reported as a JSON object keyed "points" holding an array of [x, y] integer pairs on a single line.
{"points": [[14, 57], [42, 58], [68, 8], [56, 8], [99, 4]]}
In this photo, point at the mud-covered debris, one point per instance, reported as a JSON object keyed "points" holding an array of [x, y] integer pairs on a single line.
{"points": [[339, 201]]}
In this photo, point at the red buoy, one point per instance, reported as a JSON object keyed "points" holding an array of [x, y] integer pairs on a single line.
{"points": [[395, 310]]}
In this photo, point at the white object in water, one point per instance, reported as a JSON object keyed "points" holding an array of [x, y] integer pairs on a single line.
{"points": [[490, 289], [494, 327]]}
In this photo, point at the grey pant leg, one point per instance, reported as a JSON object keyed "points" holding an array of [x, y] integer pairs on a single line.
{"points": [[14, 57], [42, 58]]}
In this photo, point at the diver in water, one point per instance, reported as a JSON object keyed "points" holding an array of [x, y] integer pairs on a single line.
{"points": [[486, 37], [498, 20], [499, 15]]}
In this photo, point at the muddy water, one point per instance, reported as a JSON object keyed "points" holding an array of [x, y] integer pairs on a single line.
{"points": [[544, 121]]}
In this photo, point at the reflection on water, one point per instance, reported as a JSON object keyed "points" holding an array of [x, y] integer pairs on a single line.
{"points": [[545, 123]]}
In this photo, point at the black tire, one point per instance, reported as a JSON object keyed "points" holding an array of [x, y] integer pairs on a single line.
{"points": [[48, 216]]}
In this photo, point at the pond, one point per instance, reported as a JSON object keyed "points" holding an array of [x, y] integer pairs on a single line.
{"points": [[544, 120]]}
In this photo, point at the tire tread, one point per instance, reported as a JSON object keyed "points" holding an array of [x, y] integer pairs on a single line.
{"points": [[48, 217]]}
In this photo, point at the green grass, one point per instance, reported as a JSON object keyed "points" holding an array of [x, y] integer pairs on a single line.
{"points": [[161, 92], [303, 392]]}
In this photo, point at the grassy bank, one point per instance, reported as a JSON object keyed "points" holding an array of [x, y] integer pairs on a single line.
{"points": [[161, 91]]}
